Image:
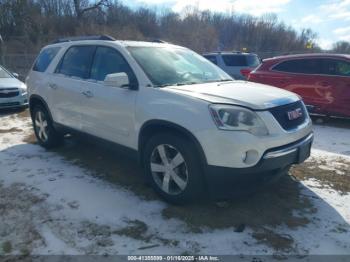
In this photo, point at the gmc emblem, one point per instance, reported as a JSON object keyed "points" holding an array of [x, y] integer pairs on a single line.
{"points": [[295, 114]]}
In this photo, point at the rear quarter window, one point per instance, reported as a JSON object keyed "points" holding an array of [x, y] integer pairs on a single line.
{"points": [[45, 58]]}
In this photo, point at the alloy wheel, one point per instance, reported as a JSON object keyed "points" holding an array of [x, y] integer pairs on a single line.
{"points": [[169, 169], [41, 126]]}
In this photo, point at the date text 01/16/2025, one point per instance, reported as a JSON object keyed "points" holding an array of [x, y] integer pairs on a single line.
{"points": [[173, 258]]}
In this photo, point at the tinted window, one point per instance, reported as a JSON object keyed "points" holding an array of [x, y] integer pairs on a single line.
{"points": [[234, 60], [241, 60], [211, 58], [343, 68], [45, 58], [253, 60], [77, 61], [109, 61], [336, 67], [304, 66]]}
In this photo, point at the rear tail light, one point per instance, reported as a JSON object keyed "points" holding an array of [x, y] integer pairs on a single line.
{"points": [[252, 76], [245, 72]]}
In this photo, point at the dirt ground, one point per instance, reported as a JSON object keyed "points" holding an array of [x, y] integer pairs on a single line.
{"points": [[273, 220]]}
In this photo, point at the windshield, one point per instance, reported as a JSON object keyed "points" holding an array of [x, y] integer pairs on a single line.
{"points": [[176, 66], [4, 73]]}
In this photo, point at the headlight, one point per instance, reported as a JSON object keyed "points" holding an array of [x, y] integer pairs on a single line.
{"points": [[237, 118], [23, 89]]}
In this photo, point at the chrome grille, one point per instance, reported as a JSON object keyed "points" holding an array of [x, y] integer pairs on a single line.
{"points": [[9, 92], [281, 115]]}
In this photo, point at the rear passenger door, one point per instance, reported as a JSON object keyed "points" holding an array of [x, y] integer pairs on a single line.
{"points": [[336, 75], [67, 85], [108, 112], [301, 76]]}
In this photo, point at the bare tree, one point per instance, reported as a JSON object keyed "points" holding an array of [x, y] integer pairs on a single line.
{"points": [[341, 47], [83, 6], [27, 25]]}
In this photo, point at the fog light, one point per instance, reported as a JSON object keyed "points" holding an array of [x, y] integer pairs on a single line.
{"points": [[250, 157], [244, 156]]}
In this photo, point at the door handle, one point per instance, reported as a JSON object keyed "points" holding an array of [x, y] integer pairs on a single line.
{"points": [[53, 86], [88, 94]]}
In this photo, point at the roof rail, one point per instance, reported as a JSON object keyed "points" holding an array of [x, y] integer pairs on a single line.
{"points": [[80, 38]]}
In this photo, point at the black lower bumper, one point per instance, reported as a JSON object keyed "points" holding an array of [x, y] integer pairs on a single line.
{"points": [[226, 182]]}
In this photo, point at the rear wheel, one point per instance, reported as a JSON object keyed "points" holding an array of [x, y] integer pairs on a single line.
{"points": [[44, 131], [173, 168]]}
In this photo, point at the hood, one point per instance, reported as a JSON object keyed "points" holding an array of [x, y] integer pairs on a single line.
{"points": [[11, 82], [243, 93]]}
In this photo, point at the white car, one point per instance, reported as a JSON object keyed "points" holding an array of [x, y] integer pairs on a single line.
{"points": [[193, 128], [13, 93]]}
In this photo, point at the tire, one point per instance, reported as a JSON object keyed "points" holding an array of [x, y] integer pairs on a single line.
{"points": [[172, 166], [44, 130]]}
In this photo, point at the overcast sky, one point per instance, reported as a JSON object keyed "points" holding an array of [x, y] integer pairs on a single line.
{"points": [[329, 18]]}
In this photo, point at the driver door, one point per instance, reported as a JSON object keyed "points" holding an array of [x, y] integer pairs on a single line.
{"points": [[108, 112]]}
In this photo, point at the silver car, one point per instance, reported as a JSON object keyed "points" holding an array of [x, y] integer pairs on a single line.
{"points": [[236, 64], [13, 92]]}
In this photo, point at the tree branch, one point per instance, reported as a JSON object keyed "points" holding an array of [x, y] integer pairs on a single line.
{"points": [[80, 11]]}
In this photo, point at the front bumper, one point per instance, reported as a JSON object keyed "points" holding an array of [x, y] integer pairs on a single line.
{"points": [[225, 182], [236, 149], [14, 102]]}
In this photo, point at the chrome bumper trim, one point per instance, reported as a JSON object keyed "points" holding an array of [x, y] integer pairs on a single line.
{"points": [[288, 150]]}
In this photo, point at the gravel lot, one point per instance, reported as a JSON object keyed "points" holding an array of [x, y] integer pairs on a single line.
{"points": [[87, 199]]}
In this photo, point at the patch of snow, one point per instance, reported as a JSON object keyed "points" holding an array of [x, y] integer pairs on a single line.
{"points": [[332, 141], [83, 202]]}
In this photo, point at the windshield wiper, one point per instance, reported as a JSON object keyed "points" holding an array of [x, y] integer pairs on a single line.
{"points": [[225, 80], [193, 83], [186, 83], [221, 80], [176, 84], [163, 85]]}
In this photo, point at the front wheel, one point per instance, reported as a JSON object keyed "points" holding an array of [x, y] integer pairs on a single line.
{"points": [[172, 166], [44, 130]]}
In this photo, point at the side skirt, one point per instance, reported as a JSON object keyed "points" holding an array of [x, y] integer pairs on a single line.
{"points": [[119, 149]]}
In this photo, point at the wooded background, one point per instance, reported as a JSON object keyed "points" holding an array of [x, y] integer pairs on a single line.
{"points": [[28, 25]]}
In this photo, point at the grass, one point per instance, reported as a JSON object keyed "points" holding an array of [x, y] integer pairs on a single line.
{"points": [[6, 247], [10, 130], [338, 179]]}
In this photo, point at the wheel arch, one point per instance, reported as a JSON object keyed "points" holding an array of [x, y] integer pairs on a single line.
{"points": [[153, 127], [35, 100]]}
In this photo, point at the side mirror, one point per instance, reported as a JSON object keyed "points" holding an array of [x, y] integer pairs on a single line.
{"points": [[15, 75], [117, 80]]}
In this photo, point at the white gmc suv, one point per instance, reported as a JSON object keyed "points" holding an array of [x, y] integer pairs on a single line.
{"points": [[194, 129]]}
